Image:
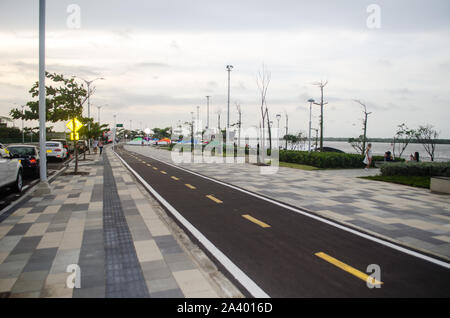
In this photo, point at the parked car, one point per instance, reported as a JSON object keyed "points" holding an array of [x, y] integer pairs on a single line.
{"points": [[56, 149], [82, 146], [10, 170], [29, 156], [66, 144]]}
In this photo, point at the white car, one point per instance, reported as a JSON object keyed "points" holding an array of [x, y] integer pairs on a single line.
{"points": [[10, 170], [56, 149]]}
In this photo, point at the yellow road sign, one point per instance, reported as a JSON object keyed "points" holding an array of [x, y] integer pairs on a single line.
{"points": [[74, 136], [78, 125]]}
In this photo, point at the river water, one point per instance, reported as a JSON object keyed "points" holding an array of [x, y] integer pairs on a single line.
{"points": [[441, 153]]}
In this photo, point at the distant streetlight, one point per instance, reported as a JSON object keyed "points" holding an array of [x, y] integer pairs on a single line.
{"points": [[278, 116], [207, 111], [23, 134], [88, 83], [229, 68], [310, 101], [321, 104], [98, 112]]}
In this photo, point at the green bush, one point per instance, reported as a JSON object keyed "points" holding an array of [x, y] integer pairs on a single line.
{"points": [[326, 159], [429, 169]]}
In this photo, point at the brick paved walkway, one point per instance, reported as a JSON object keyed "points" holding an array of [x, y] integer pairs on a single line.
{"points": [[110, 228]]}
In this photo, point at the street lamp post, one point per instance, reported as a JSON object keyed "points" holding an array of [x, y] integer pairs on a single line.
{"points": [[88, 83], [23, 135], [42, 92], [207, 111], [229, 68], [278, 116], [311, 101], [285, 147]]}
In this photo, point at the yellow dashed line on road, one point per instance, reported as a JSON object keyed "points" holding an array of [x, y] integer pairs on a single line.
{"points": [[175, 178], [163, 172], [154, 168], [190, 186], [256, 221], [149, 165], [211, 197], [348, 269]]}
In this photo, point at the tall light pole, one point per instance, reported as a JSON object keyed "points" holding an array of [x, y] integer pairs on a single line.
{"points": [[98, 112], [311, 101], [42, 107], [23, 135], [207, 111], [285, 147], [321, 104], [278, 116], [88, 83], [115, 128], [229, 68]]}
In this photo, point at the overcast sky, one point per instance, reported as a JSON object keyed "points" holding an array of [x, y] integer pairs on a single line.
{"points": [[160, 59]]}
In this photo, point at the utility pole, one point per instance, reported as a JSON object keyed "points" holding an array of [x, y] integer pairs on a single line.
{"points": [[115, 128], [321, 84], [238, 106], [88, 83], [285, 148], [192, 133], [207, 111], [311, 101], [42, 93], [218, 119], [366, 114], [229, 68], [23, 135]]}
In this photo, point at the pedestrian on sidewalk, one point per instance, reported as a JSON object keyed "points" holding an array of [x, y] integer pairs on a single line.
{"points": [[95, 145], [100, 145], [368, 158]]}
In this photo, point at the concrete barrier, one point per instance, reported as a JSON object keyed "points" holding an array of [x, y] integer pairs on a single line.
{"points": [[440, 185]]}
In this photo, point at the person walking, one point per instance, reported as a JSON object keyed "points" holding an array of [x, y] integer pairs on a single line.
{"points": [[95, 145], [100, 146], [368, 158]]}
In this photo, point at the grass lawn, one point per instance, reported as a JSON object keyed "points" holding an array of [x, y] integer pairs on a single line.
{"points": [[413, 181], [298, 166]]}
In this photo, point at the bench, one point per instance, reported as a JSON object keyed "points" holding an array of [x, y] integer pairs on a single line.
{"points": [[440, 185]]}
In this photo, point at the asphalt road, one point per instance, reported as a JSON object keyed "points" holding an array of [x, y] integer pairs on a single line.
{"points": [[285, 253]]}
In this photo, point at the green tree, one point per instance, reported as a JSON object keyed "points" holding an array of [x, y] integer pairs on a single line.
{"points": [[162, 132], [64, 101]]}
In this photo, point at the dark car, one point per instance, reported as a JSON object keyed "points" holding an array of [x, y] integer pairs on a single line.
{"points": [[29, 156]]}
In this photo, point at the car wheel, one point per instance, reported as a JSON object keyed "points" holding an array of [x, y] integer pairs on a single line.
{"points": [[19, 182]]}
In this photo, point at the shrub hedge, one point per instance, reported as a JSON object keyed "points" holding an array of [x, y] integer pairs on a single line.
{"points": [[327, 159], [429, 169]]}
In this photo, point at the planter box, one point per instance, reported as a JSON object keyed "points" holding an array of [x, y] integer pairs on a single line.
{"points": [[440, 185]]}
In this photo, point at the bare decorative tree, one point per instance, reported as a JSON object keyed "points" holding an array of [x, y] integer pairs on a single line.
{"points": [[364, 136], [262, 81], [401, 140], [427, 136]]}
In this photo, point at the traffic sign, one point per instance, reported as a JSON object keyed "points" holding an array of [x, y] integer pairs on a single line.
{"points": [[77, 127], [74, 136], [119, 125]]}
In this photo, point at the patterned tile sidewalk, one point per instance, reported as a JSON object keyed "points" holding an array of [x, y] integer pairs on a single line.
{"points": [[104, 223], [412, 216]]}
